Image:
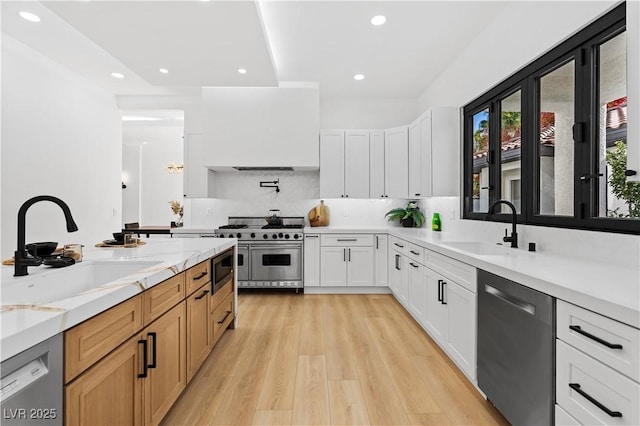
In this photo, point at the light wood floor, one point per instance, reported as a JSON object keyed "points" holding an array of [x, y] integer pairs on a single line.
{"points": [[328, 360]]}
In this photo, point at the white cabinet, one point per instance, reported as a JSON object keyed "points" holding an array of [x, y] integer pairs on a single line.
{"points": [[380, 260], [396, 151], [415, 160], [376, 164], [344, 163], [436, 320], [444, 143], [346, 260], [197, 181], [311, 260], [633, 88], [399, 276], [417, 287]]}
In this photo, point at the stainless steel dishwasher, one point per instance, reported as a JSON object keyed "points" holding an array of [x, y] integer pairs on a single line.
{"points": [[516, 351], [32, 385]]}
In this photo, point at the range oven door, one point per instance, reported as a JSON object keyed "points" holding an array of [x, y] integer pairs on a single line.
{"points": [[277, 262], [243, 262]]}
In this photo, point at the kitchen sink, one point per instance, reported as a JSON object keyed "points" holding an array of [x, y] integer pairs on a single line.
{"points": [[480, 248], [50, 285]]}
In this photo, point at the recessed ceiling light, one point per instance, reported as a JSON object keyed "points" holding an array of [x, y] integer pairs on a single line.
{"points": [[164, 70], [378, 20], [242, 70], [117, 75], [358, 77], [30, 16]]}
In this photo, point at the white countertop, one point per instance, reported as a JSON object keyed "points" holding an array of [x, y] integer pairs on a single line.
{"points": [[193, 230], [613, 291], [25, 323]]}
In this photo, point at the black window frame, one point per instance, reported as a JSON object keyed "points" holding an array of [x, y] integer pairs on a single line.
{"points": [[583, 48]]}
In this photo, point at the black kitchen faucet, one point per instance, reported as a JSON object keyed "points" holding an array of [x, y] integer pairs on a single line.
{"points": [[513, 238], [22, 258]]}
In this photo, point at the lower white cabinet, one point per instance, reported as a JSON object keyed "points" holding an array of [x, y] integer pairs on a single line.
{"points": [[399, 277], [417, 287], [333, 261], [311, 260], [381, 278], [436, 319], [347, 260]]}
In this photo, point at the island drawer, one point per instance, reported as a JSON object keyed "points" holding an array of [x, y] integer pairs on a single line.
{"points": [[344, 240], [91, 340], [221, 294], [162, 297], [198, 275], [221, 317], [609, 341]]}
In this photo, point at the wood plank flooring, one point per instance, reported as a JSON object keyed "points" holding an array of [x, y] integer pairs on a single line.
{"points": [[299, 359]]}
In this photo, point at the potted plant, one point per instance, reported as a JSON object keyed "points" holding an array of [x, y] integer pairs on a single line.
{"points": [[177, 209], [411, 216]]}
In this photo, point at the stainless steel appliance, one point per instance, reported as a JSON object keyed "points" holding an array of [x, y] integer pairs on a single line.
{"points": [[222, 266], [516, 349], [270, 252], [32, 385]]}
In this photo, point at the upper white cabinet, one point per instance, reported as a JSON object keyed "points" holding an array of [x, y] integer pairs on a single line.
{"points": [[396, 151], [344, 163], [376, 164], [415, 161], [633, 88], [445, 151], [261, 127]]}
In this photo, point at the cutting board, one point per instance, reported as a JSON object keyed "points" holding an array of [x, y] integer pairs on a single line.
{"points": [[319, 215]]}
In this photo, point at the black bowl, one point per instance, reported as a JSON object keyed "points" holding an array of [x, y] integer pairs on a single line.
{"points": [[118, 236], [41, 249]]}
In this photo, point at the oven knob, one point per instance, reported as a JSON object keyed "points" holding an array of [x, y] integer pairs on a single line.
{"points": [[221, 235], [287, 236], [274, 236], [238, 235], [253, 235], [295, 236], [265, 236], [280, 235]]}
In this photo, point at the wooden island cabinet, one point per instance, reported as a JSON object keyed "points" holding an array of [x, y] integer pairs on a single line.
{"points": [[129, 364]]}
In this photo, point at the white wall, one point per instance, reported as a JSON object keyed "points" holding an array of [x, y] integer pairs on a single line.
{"points": [[61, 136], [366, 114], [518, 35], [131, 178]]}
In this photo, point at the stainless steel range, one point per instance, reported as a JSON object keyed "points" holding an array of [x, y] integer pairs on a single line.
{"points": [[270, 250]]}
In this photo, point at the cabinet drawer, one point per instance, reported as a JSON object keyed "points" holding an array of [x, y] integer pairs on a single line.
{"points": [[415, 252], [162, 297], [461, 273], [593, 334], [221, 317], [564, 419], [88, 342], [399, 245], [343, 240], [198, 275], [595, 388], [221, 294]]}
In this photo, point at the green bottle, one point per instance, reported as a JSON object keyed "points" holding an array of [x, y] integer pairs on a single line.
{"points": [[435, 222]]}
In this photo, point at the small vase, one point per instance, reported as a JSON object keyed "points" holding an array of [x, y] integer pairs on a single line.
{"points": [[408, 222]]}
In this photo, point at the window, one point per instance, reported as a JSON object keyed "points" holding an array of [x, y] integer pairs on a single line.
{"points": [[551, 139]]}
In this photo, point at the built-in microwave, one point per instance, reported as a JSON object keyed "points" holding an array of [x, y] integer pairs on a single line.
{"points": [[222, 266]]}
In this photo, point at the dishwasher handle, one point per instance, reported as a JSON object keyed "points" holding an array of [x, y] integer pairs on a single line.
{"points": [[513, 301]]}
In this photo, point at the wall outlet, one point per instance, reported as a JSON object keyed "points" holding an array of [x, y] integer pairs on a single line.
{"points": [[209, 212], [114, 212], [345, 212]]}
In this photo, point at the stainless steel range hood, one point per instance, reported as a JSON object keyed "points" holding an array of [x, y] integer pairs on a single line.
{"points": [[263, 169]]}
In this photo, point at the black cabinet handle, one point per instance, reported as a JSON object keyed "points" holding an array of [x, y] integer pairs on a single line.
{"points": [[376, 242], [443, 284], [578, 329], [144, 358], [414, 253], [204, 293], [225, 317], [202, 275], [153, 349], [413, 264], [439, 291], [417, 194], [349, 254], [344, 254], [576, 387], [398, 245], [397, 262]]}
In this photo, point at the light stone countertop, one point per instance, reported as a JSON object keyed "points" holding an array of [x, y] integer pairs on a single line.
{"points": [[610, 290], [25, 323]]}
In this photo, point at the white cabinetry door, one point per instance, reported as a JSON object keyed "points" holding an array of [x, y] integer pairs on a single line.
{"points": [[417, 292], [425, 155], [376, 164], [396, 152], [445, 147], [395, 271], [633, 88], [415, 160], [332, 163], [311, 260], [198, 181], [461, 344], [356, 164], [333, 271], [380, 246], [437, 321], [360, 266]]}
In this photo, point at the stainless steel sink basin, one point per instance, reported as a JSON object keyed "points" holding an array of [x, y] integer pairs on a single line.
{"points": [[480, 248], [50, 285]]}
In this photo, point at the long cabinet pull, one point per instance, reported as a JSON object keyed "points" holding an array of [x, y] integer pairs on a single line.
{"points": [[376, 242], [202, 275], [347, 239], [398, 245], [413, 264], [204, 293], [311, 236], [349, 254], [398, 262], [439, 290], [153, 349], [443, 284], [144, 358], [225, 317], [579, 329], [344, 254], [576, 387], [414, 253]]}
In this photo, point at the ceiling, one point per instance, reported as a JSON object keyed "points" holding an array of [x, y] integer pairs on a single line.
{"points": [[204, 43]]}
